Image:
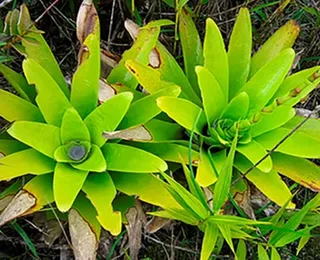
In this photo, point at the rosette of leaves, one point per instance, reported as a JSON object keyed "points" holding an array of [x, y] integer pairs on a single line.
{"points": [[56, 135], [228, 93]]}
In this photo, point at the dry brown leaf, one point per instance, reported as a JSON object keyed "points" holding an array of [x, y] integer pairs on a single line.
{"points": [[137, 133]]}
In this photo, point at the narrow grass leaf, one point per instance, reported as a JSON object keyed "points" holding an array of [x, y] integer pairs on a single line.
{"points": [[262, 253], [209, 240], [241, 251]]}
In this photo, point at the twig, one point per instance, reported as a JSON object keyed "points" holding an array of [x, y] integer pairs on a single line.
{"points": [[111, 23]]}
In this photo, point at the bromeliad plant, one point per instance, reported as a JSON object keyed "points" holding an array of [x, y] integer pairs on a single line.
{"points": [[228, 95], [56, 134]]}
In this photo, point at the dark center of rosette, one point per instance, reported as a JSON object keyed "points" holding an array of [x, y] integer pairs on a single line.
{"points": [[77, 152]]}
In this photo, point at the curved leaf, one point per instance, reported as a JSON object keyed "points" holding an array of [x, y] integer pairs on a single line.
{"points": [[268, 80], [42, 137], [298, 144], [51, 100], [254, 152], [125, 158], [183, 112], [73, 128], [13, 108], [209, 240], [107, 116], [239, 52], [144, 109], [191, 47], [282, 39], [237, 108], [9, 146], [85, 81], [273, 120], [300, 170], [94, 163], [101, 191], [310, 127], [67, 182], [215, 56], [213, 98], [206, 174]]}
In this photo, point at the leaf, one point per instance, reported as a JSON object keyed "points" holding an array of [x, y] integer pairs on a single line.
{"points": [[101, 191], [237, 108], [209, 240], [206, 175], [226, 233], [67, 182], [270, 121], [254, 152], [136, 160], [14, 22], [184, 112], [19, 83], [303, 241], [73, 128], [181, 4], [191, 47], [143, 186], [28, 132], [234, 220], [215, 56], [9, 146], [282, 39], [51, 101], [137, 113], [149, 78], [222, 186], [214, 100], [262, 253], [310, 127], [140, 50], [85, 81], [43, 56], [300, 170], [25, 162], [297, 144], [269, 78], [107, 116], [94, 163], [13, 108], [241, 251], [239, 52], [274, 254], [270, 183]]}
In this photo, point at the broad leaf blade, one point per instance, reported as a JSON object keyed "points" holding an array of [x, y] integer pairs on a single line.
{"points": [[237, 108], [206, 175]]}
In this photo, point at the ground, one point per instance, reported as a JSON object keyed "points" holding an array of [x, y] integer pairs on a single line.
{"points": [[176, 241]]}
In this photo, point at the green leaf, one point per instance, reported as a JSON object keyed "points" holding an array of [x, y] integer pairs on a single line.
{"points": [[88, 212], [176, 214], [254, 152], [51, 101], [67, 182], [237, 108], [101, 191], [241, 251], [209, 240], [234, 220], [85, 81], [73, 128], [107, 116], [239, 52], [310, 127], [172, 131], [143, 186], [172, 72], [262, 253], [181, 4], [9, 146], [206, 175], [270, 183], [270, 121], [14, 22], [282, 39], [42, 54], [215, 56], [297, 144], [300, 170], [125, 158], [269, 78], [157, 23], [19, 83], [140, 51], [184, 112], [191, 47], [274, 254], [25, 162], [222, 186], [42, 137], [149, 78], [214, 100], [137, 113], [226, 233], [14, 108], [94, 163], [303, 241]]}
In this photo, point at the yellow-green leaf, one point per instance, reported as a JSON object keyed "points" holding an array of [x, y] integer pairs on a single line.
{"points": [[206, 175], [209, 240]]}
